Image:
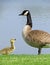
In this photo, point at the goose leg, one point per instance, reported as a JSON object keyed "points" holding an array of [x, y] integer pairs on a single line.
{"points": [[39, 51]]}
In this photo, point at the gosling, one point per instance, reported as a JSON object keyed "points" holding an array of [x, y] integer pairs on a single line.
{"points": [[8, 50]]}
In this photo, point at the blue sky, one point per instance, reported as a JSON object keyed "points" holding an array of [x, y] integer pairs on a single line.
{"points": [[11, 24]]}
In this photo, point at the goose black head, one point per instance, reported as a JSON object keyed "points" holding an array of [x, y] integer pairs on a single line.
{"points": [[25, 13]]}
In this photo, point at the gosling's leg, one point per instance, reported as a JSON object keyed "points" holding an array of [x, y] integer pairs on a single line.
{"points": [[39, 51]]}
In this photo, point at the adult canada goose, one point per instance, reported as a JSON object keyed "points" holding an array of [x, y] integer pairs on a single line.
{"points": [[35, 38], [9, 50]]}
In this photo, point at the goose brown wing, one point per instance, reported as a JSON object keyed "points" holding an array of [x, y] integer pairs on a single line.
{"points": [[38, 36]]}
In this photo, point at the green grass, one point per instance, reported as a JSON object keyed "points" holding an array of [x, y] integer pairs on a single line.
{"points": [[25, 59]]}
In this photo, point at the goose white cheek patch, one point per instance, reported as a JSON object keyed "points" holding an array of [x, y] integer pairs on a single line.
{"points": [[26, 13]]}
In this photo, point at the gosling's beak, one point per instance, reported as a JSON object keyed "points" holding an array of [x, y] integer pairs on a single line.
{"points": [[14, 39]]}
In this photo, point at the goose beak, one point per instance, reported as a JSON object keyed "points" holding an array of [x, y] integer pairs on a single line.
{"points": [[20, 14]]}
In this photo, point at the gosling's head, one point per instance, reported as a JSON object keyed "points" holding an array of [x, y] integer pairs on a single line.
{"points": [[12, 40], [25, 12]]}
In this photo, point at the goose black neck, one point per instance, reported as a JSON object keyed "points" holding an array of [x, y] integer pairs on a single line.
{"points": [[29, 20]]}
